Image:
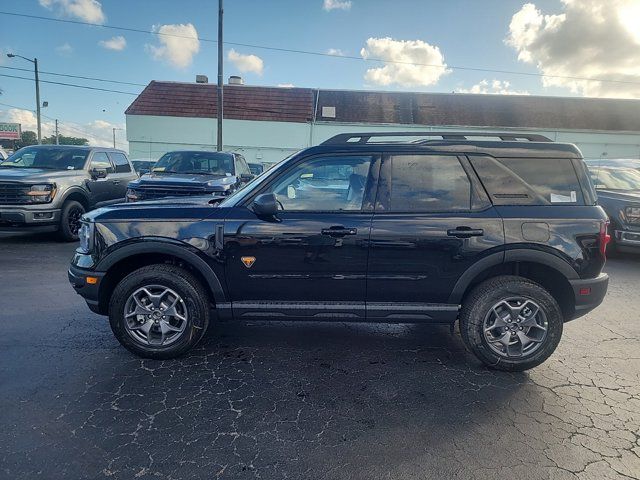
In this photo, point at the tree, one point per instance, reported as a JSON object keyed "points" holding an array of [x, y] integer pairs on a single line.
{"points": [[27, 138], [65, 140]]}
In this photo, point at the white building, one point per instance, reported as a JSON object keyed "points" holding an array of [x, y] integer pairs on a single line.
{"points": [[269, 123]]}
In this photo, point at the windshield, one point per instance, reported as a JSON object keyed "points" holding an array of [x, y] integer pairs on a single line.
{"points": [[48, 158], [616, 178], [195, 162]]}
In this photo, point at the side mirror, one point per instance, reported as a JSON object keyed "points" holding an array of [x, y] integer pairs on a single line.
{"points": [[247, 177], [265, 205], [97, 173]]}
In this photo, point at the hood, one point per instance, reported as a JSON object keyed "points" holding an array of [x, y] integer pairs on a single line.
{"points": [[35, 174], [182, 179], [622, 195]]}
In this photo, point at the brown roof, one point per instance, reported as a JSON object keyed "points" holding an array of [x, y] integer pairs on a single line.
{"points": [[297, 104], [240, 102]]}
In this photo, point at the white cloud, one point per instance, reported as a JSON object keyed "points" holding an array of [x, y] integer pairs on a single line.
{"points": [[86, 10], [178, 44], [329, 5], [114, 43], [419, 64], [246, 63], [336, 51], [495, 87], [64, 50], [98, 132], [597, 39]]}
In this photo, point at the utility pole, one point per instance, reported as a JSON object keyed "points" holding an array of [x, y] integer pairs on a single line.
{"points": [[37, 78], [57, 137], [220, 88], [114, 137]]}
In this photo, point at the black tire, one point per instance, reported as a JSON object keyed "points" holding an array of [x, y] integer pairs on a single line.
{"points": [[188, 287], [70, 220], [478, 305]]}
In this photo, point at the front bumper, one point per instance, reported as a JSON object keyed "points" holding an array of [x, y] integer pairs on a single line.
{"points": [[588, 293], [31, 218], [87, 289]]}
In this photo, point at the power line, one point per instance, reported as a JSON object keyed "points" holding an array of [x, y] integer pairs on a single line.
{"points": [[71, 85], [319, 54], [75, 76]]}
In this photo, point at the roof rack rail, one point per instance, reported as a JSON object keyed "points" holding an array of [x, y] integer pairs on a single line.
{"points": [[364, 138]]}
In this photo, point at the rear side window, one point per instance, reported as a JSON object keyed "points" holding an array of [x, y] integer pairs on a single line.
{"points": [[428, 183], [529, 181], [120, 161]]}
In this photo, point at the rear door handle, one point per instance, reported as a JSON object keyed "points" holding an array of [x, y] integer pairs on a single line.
{"points": [[339, 231], [465, 232]]}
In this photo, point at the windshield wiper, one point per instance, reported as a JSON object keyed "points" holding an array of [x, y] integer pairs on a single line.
{"points": [[201, 172]]}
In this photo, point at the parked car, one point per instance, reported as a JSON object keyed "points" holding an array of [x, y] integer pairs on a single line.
{"points": [[142, 166], [192, 173], [256, 168], [504, 236], [49, 187], [619, 194], [616, 162]]}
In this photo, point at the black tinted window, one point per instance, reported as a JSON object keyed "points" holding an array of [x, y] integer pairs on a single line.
{"points": [[428, 183], [529, 181], [100, 160], [120, 161]]}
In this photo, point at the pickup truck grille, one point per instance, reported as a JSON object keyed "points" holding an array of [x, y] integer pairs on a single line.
{"points": [[13, 193], [152, 192]]}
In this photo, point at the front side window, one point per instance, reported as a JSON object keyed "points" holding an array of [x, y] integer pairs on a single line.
{"points": [[101, 161], [428, 183], [324, 184], [205, 163], [53, 158]]}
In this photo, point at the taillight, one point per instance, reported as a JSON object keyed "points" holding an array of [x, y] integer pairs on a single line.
{"points": [[604, 238]]}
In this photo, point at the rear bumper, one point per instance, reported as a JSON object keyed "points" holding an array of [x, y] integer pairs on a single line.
{"points": [[88, 291], [588, 293], [31, 219], [627, 241]]}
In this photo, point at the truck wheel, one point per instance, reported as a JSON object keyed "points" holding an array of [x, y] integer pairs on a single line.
{"points": [[70, 216], [159, 311], [511, 323]]}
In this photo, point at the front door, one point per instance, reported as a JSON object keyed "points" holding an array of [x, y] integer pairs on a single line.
{"points": [[310, 260], [102, 189], [431, 223]]}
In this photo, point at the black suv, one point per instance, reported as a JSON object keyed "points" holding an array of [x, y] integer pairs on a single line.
{"points": [[185, 173], [503, 235]]}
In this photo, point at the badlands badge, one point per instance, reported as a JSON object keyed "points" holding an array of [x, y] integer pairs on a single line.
{"points": [[248, 261]]}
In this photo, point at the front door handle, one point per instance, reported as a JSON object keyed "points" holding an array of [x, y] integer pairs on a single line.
{"points": [[116, 182], [465, 232], [339, 231]]}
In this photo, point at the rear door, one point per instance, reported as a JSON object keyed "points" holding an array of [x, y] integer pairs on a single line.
{"points": [[432, 221], [122, 176]]}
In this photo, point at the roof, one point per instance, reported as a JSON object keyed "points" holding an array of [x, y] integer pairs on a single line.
{"points": [[243, 102], [240, 103]]}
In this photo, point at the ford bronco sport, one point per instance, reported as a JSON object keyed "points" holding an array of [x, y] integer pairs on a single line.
{"points": [[499, 231]]}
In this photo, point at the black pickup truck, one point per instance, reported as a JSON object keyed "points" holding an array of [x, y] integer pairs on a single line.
{"points": [[501, 235]]}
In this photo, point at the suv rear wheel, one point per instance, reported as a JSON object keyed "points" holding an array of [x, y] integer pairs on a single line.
{"points": [[70, 216], [511, 323], [155, 311]]}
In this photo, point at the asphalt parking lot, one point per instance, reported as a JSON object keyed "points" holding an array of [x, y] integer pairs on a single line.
{"points": [[305, 400]]}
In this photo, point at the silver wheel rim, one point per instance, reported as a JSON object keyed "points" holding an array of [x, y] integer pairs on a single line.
{"points": [[515, 327], [155, 316]]}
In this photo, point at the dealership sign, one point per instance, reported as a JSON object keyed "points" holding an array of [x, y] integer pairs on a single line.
{"points": [[9, 131]]}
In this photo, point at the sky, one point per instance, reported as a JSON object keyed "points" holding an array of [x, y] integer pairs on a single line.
{"points": [[463, 46]]}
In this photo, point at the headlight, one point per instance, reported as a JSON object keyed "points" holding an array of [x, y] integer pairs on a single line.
{"points": [[43, 193], [86, 236], [132, 195], [632, 214]]}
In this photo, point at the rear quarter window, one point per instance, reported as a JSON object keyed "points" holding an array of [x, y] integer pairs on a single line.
{"points": [[529, 181]]}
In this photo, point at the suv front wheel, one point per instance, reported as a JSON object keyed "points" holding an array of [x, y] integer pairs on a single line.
{"points": [[511, 323], [159, 311]]}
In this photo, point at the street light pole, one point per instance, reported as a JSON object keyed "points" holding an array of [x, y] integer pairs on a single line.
{"points": [[37, 78], [220, 88]]}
